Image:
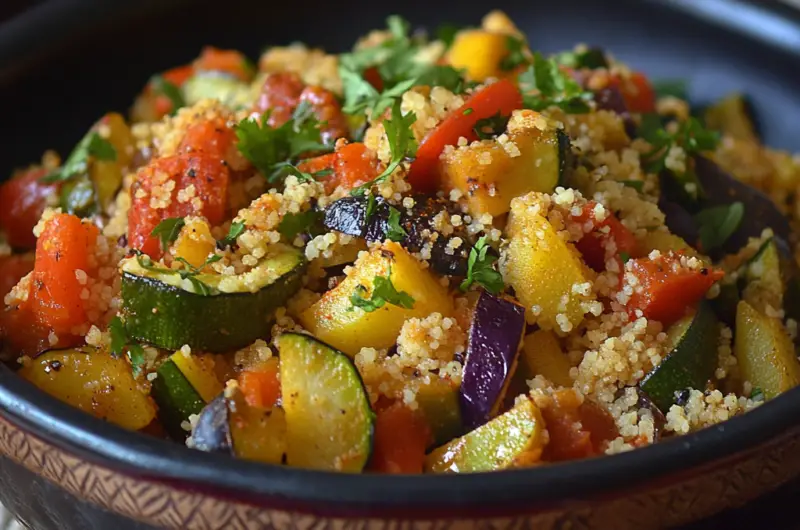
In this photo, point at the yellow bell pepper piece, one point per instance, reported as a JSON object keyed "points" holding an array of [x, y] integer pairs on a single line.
{"points": [[479, 52], [195, 242]]}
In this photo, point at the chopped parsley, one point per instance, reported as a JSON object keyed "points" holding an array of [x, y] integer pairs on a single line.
{"points": [[167, 231], [492, 126], [372, 204], [189, 272], [169, 90], [624, 256], [120, 342], [468, 111], [236, 229], [394, 229], [757, 394], [718, 223], [92, 146], [274, 150], [401, 144], [480, 269], [591, 58], [447, 34], [299, 223], [545, 85], [516, 54], [383, 292]]}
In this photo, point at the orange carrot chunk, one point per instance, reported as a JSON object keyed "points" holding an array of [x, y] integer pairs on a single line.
{"points": [[401, 436], [262, 387]]}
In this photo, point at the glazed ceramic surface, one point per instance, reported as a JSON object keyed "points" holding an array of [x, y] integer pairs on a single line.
{"points": [[61, 469]]}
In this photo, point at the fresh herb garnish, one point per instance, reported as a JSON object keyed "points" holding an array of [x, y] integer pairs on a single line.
{"points": [[170, 91], [591, 58], [545, 85], [624, 256], [383, 292], [447, 34], [401, 144], [488, 128], [480, 269], [372, 204], [394, 229], [516, 54], [188, 273], [92, 146], [299, 223], [468, 111], [120, 342], [274, 150], [236, 229], [167, 231], [302, 176], [757, 394], [718, 223]]}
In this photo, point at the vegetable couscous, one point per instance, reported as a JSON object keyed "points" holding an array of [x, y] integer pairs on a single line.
{"points": [[445, 253]]}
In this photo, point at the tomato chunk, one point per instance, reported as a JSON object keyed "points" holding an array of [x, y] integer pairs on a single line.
{"points": [[213, 137], [352, 165], [204, 182], [401, 436], [666, 289], [609, 239], [637, 92], [22, 201], [176, 76], [230, 62], [503, 97]]}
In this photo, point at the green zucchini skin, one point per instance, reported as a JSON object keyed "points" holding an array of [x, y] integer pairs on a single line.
{"points": [[564, 156], [691, 363], [176, 399], [169, 317]]}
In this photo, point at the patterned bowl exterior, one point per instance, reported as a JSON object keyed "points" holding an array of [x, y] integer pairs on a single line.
{"points": [[50, 488]]}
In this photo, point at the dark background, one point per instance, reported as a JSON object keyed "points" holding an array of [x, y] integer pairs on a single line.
{"points": [[777, 98]]}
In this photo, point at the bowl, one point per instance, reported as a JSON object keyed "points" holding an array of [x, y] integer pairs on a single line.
{"points": [[63, 64]]}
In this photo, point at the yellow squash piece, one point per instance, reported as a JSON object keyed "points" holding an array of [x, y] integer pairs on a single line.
{"points": [[492, 173], [334, 320], [664, 241], [195, 242], [546, 273], [542, 355], [94, 382], [765, 352], [201, 373], [258, 434], [479, 52]]}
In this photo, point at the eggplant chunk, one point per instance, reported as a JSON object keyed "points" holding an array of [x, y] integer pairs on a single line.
{"points": [[212, 432], [494, 342], [610, 98], [349, 216]]}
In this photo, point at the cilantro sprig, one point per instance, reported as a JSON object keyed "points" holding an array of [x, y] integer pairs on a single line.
{"points": [[168, 230], [189, 272], [516, 54], [92, 146], [492, 126], [394, 230], [383, 292], [293, 224], [275, 150], [545, 85], [122, 343], [480, 269], [236, 229]]}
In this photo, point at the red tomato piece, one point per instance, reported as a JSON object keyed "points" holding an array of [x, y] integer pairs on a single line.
{"points": [[228, 61], [637, 91], [213, 137], [12, 269], [667, 290], [595, 246], [503, 97], [154, 195], [22, 201], [352, 164], [401, 436]]}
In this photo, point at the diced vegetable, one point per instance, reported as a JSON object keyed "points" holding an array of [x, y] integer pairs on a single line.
{"points": [[691, 361], [542, 355], [543, 269], [23, 198], [569, 439], [513, 439], [164, 309], [215, 138], [13, 268], [594, 245], [329, 422], [176, 398], [336, 321], [439, 403], [772, 279], [200, 371], [494, 341], [195, 242], [95, 382], [230, 62], [501, 97], [261, 386], [765, 352], [531, 159], [664, 242], [479, 52], [225, 88], [401, 436], [637, 91], [212, 431], [732, 116]]}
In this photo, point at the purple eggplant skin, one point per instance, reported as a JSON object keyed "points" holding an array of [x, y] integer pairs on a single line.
{"points": [[212, 433], [679, 221], [498, 326], [759, 210]]}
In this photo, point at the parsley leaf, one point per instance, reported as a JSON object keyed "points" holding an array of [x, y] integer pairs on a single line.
{"points": [[91, 146], [120, 341], [273, 150], [372, 203], [480, 269], [591, 58], [718, 223], [757, 394], [492, 126], [167, 231], [624, 256], [516, 54], [545, 85], [383, 292], [170, 91], [394, 230], [401, 144], [236, 229], [298, 223]]}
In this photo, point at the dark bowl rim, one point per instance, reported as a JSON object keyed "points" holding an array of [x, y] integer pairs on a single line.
{"points": [[143, 456]]}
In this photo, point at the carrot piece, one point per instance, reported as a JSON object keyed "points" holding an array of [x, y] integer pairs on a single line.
{"points": [[208, 174], [229, 61], [637, 92], [178, 75], [503, 97], [599, 423], [352, 164], [261, 388], [568, 439], [665, 289], [594, 246], [214, 137], [401, 436], [22, 201], [12, 269]]}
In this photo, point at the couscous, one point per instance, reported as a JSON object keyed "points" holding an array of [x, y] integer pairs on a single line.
{"points": [[428, 254]]}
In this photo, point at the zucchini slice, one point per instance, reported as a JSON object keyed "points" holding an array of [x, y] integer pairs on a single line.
{"points": [[690, 363], [439, 402], [515, 438], [329, 423], [177, 399], [215, 85], [166, 311]]}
